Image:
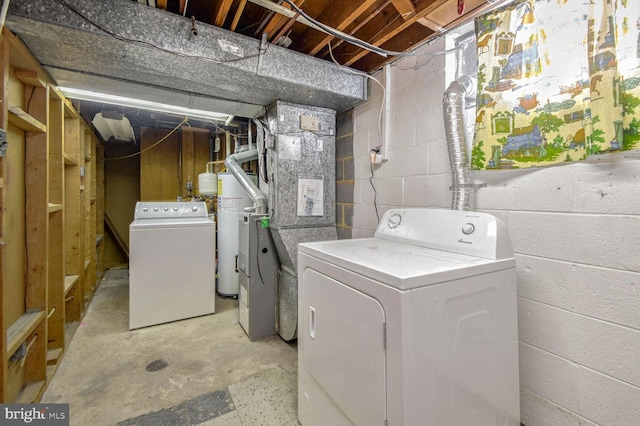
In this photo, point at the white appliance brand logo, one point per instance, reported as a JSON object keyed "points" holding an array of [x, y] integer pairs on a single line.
{"points": [[464, 241]]}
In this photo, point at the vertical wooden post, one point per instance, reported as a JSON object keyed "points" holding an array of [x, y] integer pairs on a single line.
{"points": [[4, 77], [36, 104], [56, 315]]}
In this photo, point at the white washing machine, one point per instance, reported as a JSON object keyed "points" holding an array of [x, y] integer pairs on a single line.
{"points": [[171, 262], [415, 326]]}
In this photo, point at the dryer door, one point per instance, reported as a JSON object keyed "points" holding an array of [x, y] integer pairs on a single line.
{"points": [[343, 346]]}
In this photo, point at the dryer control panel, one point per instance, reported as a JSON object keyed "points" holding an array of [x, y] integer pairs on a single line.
{"points": [[170, 210], [465, 232]]}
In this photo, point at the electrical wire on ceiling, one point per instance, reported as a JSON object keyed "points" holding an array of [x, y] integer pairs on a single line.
{"points": [[261, 50], [361, 43], [135, 154]]}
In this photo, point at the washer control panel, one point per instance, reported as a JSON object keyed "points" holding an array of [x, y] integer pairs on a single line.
{"points": [[170, 210]]}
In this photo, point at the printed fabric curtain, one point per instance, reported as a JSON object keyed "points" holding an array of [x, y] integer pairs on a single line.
{"points": [[558, 81]]}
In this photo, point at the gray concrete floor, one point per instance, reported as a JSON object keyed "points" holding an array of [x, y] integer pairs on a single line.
{"points": [[213, 376]]}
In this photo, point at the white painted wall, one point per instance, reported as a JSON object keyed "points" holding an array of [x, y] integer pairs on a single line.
{"points": [[576, 236]]}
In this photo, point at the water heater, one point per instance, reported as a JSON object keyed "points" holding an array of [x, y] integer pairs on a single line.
{"points": [[232, 200]]}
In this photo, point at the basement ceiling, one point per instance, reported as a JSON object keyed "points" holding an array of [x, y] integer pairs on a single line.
{"points": [[393, 25], [230, 56]]}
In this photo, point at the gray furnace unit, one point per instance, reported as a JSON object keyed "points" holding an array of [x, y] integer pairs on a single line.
{"points": [[302, 193], [257, 266]]}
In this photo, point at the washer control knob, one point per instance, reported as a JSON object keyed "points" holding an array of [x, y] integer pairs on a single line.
{"points": [[145, 209], [155, 209], [166, 209], [194, 208], [468, 228], [175, 209]]}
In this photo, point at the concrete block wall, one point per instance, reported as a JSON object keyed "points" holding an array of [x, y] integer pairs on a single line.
{"points": [[574, 230], [344, 174]]}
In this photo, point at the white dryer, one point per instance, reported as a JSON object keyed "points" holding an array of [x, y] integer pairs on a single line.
{"points": [[171, 262], [415, 326]]}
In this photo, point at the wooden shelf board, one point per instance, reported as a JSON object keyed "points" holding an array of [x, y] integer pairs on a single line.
{"points": [[70, 160], [54, 207], [54, 356], [31, 393], [21, 329], [70, 281], [30, 78], [23, 120]]}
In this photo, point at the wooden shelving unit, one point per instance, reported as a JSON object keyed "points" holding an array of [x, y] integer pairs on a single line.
{"points": [[49, 222], [20, 330]]}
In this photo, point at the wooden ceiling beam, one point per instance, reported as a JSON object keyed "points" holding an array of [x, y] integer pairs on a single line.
{"points": [[278, 20], [430, 24], [222, 13], [285, 28], [339, 17], [412, 36], [359, 23], [394, 28], [424, 8], [405, 8], [238, 14]]}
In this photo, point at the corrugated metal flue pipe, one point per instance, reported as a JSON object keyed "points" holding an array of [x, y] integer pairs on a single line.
{"points": [[233, 164], [454, 103]]}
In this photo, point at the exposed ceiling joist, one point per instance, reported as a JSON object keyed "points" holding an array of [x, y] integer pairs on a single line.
{"points": [[364, 20], [278, 20], [223, 11], [405, 8], [238, 14], [397, 26], [339, 18]]}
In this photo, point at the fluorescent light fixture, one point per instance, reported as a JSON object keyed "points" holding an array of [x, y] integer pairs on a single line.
{"points": [[87, 95]]}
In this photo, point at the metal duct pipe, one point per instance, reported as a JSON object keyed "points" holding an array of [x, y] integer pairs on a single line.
{"points": [[453, 103], [233, 165]]}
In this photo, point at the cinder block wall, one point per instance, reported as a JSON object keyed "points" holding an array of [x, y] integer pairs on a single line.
{"points": [[344, 174], [574, 230]]}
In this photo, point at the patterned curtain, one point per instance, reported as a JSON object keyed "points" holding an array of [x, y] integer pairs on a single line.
{"points": [[558, 81]]}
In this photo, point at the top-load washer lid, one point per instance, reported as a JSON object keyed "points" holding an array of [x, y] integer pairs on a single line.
{"points": [[417, 247]]}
